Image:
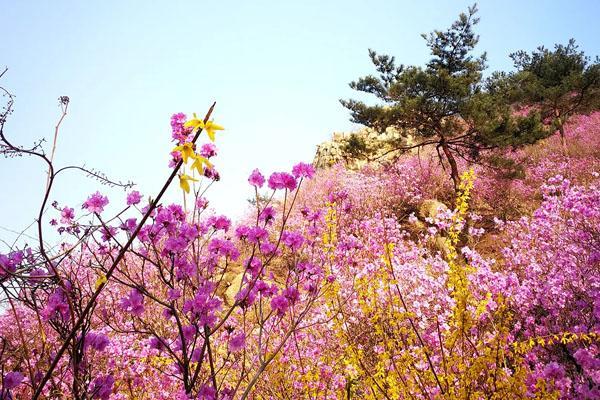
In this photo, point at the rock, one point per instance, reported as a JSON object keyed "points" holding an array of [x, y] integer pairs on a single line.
{"points": [[377, 145], [431, 208], [232, 289], [440, 244], [418, 226]]}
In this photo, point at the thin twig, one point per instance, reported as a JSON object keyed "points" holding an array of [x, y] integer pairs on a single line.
{"points": [[111, 270]]}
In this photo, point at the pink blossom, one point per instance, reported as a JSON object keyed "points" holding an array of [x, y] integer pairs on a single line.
{"points": [[237, 343], [223, 248], [201, 203], [267, 215], [12, 380], [156, 343], [282, 180], [57, 306], [203, 306], [257, 234], [179, 132], [129, 225], [96, 341], [256, 179], [95, 203], [293, 240], [101, 387], [303, 170], [173, 294], [134, 198], [220, 222], [206, 393], [208, 150], [134, 303], [211, 173], [67, 214], [241, 232], [280, 304]]}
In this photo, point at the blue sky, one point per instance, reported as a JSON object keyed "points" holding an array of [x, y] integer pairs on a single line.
{"points": [[275, 68]]}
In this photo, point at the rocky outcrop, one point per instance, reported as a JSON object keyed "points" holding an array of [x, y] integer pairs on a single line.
{"points": [[431, 208], [233, 287], [356, 149]]}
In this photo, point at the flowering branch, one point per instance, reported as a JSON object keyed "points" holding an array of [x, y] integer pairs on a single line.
{"points": [[91, 302]]}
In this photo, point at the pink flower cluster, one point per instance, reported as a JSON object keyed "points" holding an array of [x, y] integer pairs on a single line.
{"points": [[327, 267]]}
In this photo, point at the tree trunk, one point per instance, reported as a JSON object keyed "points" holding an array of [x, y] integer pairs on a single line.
{"points": [[563, 139], [453, 166], [561, 130]]}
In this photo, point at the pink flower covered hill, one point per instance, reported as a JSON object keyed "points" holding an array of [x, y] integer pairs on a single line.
{"points": [[448, 249], [378, 283]]}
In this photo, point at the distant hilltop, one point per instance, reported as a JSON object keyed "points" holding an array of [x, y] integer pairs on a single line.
{"points": [[358, 148]]}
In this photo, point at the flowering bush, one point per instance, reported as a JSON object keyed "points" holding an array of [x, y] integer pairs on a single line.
{"points": [[556, 254], [188, 303], [335, 285]]}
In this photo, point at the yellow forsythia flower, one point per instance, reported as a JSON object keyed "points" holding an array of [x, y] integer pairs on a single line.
{"points": [[184, 182], [186, 150], [210, 128], [199, 163], [100, 281], [194, 123]]}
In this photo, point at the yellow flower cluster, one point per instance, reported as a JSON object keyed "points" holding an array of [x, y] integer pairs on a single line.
{"points": [[187, 152], [549, 340], [387, 352]]}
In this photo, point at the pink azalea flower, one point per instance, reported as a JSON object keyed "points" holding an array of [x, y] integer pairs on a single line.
{"points": [[134, 198], [95, 203], [256, 179]]}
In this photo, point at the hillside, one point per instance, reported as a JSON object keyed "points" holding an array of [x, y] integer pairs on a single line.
{"points": [[446, 249], [362, 282]]}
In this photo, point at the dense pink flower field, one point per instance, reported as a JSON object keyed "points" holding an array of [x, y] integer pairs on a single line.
{"points": [[336, 284]]}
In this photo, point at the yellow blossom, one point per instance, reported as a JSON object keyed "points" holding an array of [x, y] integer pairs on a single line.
{"points": [[100, 281], [199, 163], [186, 150], [194, 123], [210, 128], [184, 182]]}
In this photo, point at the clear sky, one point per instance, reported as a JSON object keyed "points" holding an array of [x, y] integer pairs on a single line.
{"points": [[275, 68]]}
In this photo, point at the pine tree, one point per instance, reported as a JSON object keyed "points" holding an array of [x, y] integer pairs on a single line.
{"points": [[446, 103], [557, 84]]}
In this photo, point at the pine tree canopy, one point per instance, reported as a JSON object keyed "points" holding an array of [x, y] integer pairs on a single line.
{"points": [[557, 83], [446, 103]]}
